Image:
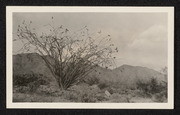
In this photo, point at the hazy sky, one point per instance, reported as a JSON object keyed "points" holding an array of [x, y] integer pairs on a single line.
{"points": [[140, 37]]}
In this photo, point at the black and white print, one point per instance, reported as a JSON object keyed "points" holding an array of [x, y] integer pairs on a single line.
{"points": [[90, 57]]}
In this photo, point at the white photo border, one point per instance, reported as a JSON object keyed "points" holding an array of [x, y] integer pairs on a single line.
{"points": [[61, 105]]}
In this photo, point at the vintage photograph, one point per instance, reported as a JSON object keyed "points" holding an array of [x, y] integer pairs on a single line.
{"points": [[92, 57]]}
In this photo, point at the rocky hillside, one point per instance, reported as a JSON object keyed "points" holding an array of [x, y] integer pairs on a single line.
{"points": [[128, 75], [125, 74]]}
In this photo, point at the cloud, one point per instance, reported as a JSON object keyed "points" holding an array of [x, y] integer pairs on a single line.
{"points": [[153, 40], [149, 48], [140, 37]]}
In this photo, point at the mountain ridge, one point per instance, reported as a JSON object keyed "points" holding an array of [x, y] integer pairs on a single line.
{"points": [[125, 74]]}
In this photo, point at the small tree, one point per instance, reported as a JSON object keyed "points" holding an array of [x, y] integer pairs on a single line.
{"points": [[154, 86], [164, 71], [164, 84], [69, 56]]}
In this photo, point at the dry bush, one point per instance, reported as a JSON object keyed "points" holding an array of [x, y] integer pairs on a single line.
{"points": [[160, 97], [154, 89], [119, 98], [70, 56], [25, 79], [84, 93], [47, 90], [28, 82], [149, 87], [21, 89], [103, 84], [92, 80]]}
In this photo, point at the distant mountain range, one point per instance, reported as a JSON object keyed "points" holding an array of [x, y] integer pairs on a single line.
{"points": [[125, 74]]}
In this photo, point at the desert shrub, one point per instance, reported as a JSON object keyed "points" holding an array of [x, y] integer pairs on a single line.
{"points": [[119, 98], [29, 82], [150, 87], [142, 85], [160, 97], [21, 89], [71, 95], [88, 97], [103, 85], [101, 97], [153, 88], [91, 96], [71, 55], [79, 96], [25, 79], [92, 80], [48, 90], [84, 93]]}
